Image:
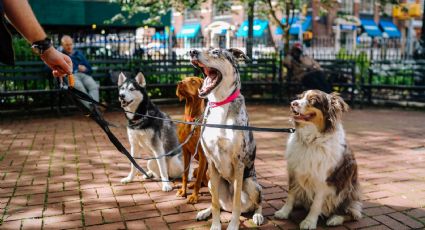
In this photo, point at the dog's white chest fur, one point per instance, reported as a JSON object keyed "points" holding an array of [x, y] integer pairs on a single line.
{"points": [[311, 156], [221, 143], [142, 138]]}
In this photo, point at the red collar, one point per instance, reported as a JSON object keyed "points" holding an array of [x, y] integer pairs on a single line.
{"points": [[229, 99]]}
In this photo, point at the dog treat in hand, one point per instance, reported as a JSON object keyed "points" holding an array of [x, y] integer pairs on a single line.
{"points": [[71, 80]]}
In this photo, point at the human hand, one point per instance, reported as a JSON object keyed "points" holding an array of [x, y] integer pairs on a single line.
{"points": [[82, 68], [60, 63]]}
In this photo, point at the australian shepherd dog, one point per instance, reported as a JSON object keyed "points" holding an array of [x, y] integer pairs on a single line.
{"points": [[322, 169]]}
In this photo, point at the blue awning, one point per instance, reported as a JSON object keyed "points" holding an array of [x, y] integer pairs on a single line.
{"points": [[189, 31], [390, 29], [160, 36], [295, 26], [259, 27], [371, 28]]}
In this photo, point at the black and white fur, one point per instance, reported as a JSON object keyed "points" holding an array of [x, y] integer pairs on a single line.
{"points": [[230, 153], [150, 135], [322, 169]]}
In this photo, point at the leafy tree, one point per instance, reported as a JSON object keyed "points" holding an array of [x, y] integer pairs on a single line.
{"points": [[270, 9]]}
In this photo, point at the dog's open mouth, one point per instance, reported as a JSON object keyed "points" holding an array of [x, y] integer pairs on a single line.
{"points": [[125, 103], [213, 77], [302, 117]]}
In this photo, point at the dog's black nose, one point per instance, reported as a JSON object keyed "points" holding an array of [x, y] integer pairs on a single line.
{"points": [[193, 53], [294, 103], [122, 96]]}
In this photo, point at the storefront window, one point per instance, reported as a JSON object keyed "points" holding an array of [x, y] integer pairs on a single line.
{"points": [[367, 7], [191, 14], [346, 6]]}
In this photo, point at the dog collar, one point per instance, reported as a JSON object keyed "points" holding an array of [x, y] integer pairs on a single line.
{"points": [[229, 99]]}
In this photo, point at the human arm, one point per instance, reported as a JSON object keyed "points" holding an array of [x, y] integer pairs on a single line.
{"points": [[23, 19], [287, 62], [84, 65]]}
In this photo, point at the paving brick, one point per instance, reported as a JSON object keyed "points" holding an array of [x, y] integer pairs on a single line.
{"points": [[391, 223], [111, 215], [11, 225], [136, 225], [117, 226], [361, 223], [180, 217], [418, 212], [406, 220], [377, 227], [92, 218], [140, 215], [378, 211], [156, 223], [31, 224]]}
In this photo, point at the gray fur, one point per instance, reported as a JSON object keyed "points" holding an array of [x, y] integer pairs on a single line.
{"points": [[151, 135], [230, 153]]}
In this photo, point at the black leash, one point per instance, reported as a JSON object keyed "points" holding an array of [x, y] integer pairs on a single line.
{"points": [[94, 113], [219, 126]]}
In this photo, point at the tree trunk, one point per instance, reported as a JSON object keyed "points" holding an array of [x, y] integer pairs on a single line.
{"points": [[250, 37], [423, 27], [289, 18]]}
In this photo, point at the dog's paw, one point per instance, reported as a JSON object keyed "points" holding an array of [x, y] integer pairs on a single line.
{"points": [[335, 220], [233, 225], [181, 193], [204, 214], [166, 187], [283, 213], [193, 199], [127, 179], [308, 224], [258, 219], [216, 226]]}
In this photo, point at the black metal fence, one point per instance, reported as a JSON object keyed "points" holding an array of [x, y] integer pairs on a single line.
{"points": [[165, 61]]}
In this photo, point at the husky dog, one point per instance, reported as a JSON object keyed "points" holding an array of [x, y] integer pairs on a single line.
{"points": [[152, 135], [322, 169], [230, 153]]}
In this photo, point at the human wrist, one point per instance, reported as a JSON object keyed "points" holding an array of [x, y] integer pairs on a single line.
{"points": [[47, 52], [41, 46]]}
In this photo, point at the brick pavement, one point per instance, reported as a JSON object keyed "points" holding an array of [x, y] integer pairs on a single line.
{"points": [[65, 174]]}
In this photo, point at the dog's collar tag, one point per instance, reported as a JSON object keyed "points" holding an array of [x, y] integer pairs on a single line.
{"points": [[229, 99]]}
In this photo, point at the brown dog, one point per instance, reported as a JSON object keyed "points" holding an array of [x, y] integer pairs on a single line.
{"points": [[188, 89]]}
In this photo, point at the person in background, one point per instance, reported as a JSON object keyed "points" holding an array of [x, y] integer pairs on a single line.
{"points": [[81, 70], [20, 14], [305, 70]]}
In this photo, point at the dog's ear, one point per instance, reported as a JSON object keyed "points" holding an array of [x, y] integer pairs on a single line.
{"points": [[121, 78], [178, 94], [338, 103], [238, 54], [140, 79]]}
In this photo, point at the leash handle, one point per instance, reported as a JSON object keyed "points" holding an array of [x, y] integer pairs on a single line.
{"points": [[71, 81]]}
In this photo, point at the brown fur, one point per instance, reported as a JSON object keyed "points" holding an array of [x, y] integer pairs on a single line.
{"points": [[187, 89]]}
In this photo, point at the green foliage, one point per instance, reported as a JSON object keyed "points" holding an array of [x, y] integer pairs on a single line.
{"points": [[21, 47]]}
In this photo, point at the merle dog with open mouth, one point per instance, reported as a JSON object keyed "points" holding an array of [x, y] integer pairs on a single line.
{"points": [[154, 136], [230, 153]]}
